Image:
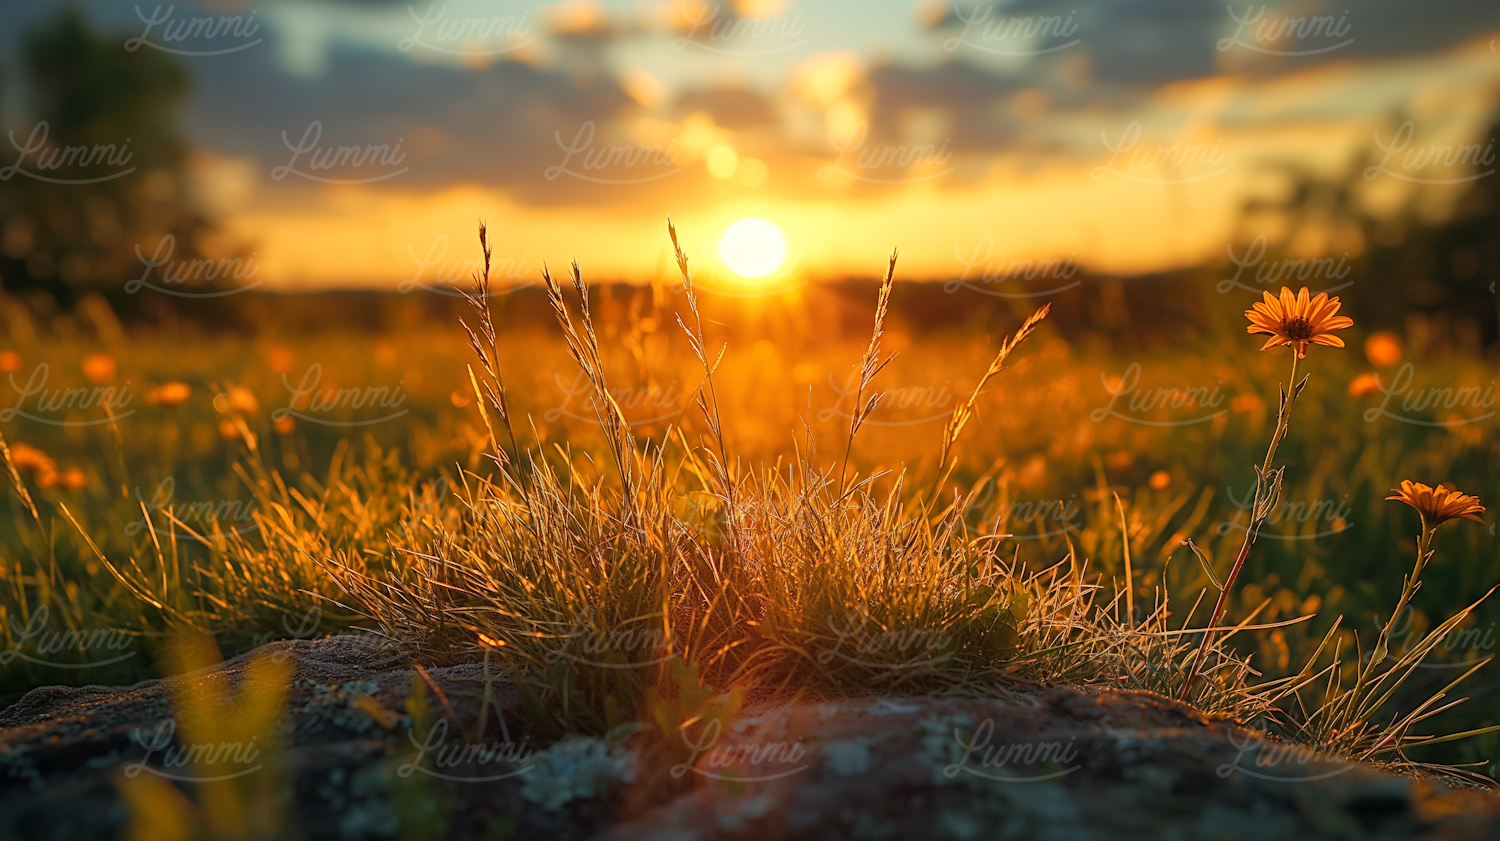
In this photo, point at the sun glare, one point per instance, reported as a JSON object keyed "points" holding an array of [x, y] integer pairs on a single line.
{"points": [[752, 247]]}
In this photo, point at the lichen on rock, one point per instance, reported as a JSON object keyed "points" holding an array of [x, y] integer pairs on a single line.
{"points": [[576, 768]]}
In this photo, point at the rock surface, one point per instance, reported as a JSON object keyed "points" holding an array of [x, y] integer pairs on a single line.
{"points": [[1052, 763]]}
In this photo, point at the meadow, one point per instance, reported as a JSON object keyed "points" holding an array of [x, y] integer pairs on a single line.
{"points": [[315, 470]]}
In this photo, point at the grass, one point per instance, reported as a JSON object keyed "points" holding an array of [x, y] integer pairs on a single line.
{"points": [[928, 523]]}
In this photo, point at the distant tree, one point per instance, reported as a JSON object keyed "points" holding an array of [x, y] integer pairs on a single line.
{"points": [[95, 111], [1449, 269]]}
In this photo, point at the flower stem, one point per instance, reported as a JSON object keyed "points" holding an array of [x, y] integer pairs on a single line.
{"points": [[1408, 589], [1283, 417]]}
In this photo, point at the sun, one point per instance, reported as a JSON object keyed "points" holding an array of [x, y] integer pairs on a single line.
{"points": [[752, 247]]}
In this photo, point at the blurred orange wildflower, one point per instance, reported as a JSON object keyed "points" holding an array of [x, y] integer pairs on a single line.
{"points": [[99, 368], [236, 400], [73, 479], [169, 394], [1364, 384], [1383, 349]]}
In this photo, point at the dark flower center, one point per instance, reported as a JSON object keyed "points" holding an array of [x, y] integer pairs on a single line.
{"points": [[1297, 329]]}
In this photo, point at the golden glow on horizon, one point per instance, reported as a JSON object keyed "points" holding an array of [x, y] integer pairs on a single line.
{"points": [[752, 247], [722, 162]]}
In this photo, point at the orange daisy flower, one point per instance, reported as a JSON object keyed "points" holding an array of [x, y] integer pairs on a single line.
{"points": [[1297, 321], [1438, 505]]}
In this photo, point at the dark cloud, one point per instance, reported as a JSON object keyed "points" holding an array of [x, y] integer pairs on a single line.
{"points": [[1152, 42], [733, 108], [1130, 42], [971, 99], [498, 125], [1147, 43], [1380, 28]]}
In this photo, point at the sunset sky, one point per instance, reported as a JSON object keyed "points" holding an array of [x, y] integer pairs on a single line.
{"points": [[1123, 135]]}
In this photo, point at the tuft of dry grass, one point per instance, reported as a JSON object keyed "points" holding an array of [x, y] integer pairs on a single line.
{"points": [[585, 584]]}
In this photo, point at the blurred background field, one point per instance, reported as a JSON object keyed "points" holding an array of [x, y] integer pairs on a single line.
{"points": [[243, 435], [1096, 406]]}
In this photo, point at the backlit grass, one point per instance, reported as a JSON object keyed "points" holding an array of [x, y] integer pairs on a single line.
{"points": [[606, 520]]}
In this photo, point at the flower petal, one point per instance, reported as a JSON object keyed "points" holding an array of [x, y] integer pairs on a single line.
{"points": [[1318, 310]]}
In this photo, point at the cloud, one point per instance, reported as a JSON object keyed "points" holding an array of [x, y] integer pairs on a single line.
{"points": [[499, 125], [734, 108], [1148, 43], [970, 98]]}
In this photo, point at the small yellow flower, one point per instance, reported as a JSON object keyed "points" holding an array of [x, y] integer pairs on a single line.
{"points": [[1297, 321], [1438, 505]]}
